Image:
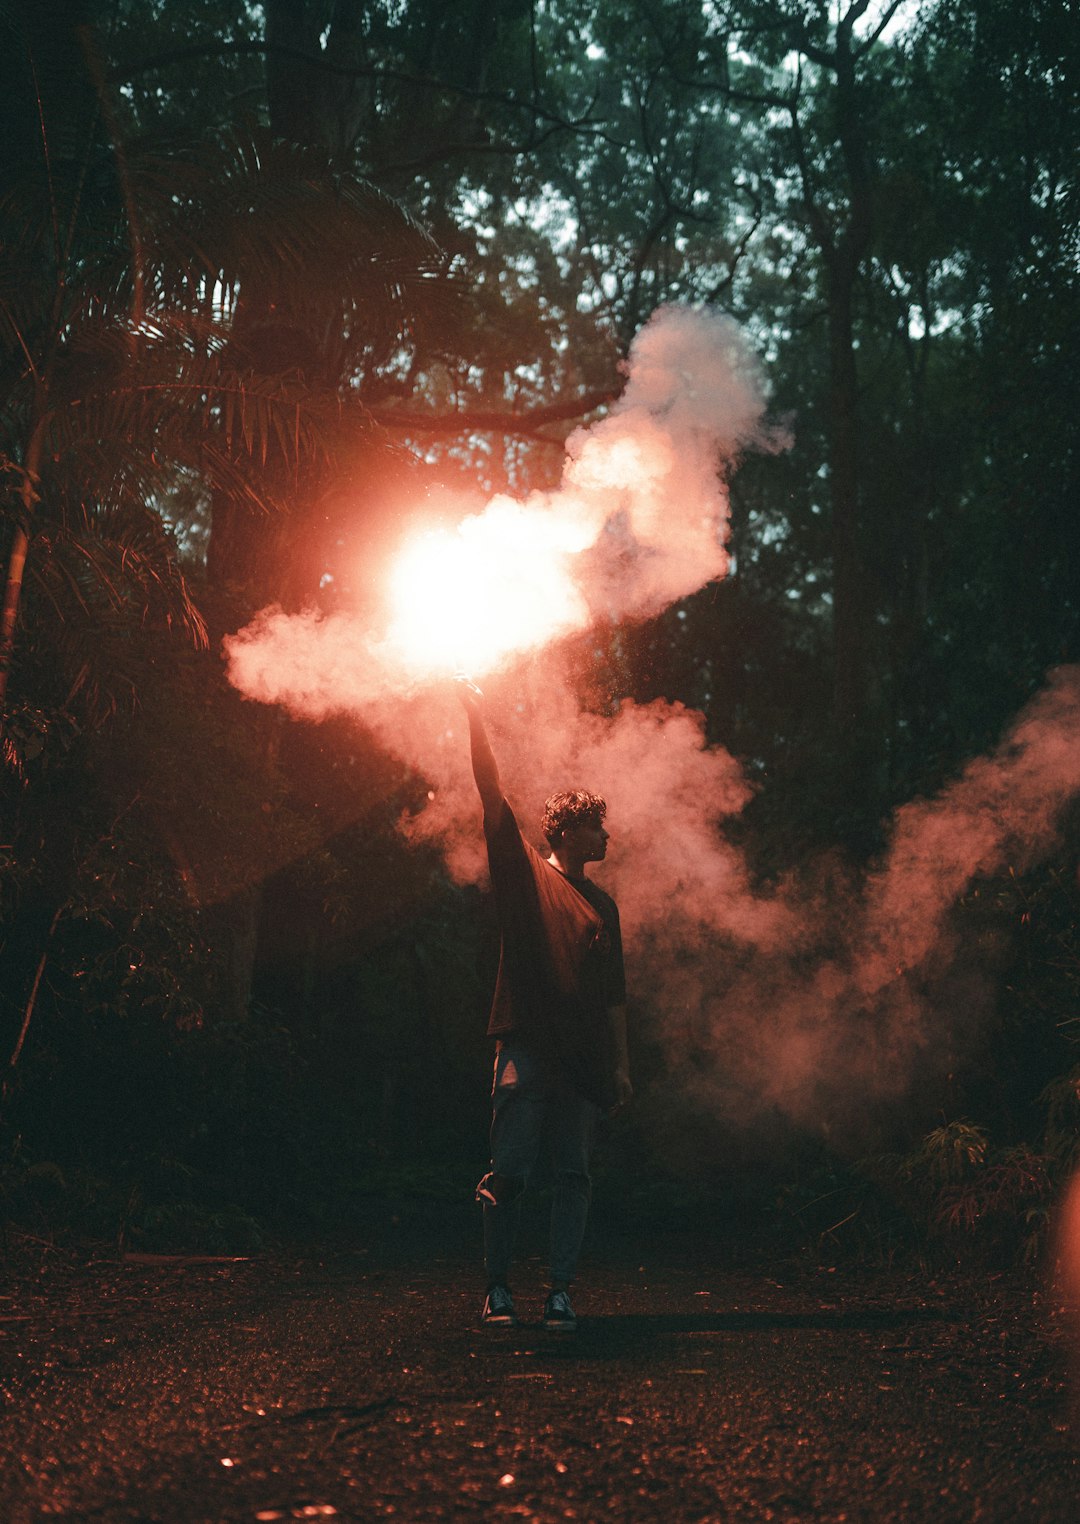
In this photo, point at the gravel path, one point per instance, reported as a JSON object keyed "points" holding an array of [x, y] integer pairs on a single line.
{"points": [[354, 1384]]}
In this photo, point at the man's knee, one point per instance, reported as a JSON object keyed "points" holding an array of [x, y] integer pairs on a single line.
{"points": [[574, 1182], [500, 1190]]}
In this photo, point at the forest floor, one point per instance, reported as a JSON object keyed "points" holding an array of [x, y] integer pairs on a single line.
{"points": [[352, 1382]]}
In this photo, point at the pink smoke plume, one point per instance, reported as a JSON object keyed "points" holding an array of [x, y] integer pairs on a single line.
{"points": [[810, 1003], [639, 520], [824, 1037]]}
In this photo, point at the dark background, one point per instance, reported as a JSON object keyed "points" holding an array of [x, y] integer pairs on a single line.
{"points": [[266, 273]]}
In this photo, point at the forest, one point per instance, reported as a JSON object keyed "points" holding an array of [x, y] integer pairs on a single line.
{"points": [[283, 283]]}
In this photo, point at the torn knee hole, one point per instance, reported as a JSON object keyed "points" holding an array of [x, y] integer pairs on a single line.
{"points": [[500, 1190]]}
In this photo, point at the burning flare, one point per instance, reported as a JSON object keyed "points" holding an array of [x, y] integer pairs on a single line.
{"points": [[498, 584], [639, 520]]}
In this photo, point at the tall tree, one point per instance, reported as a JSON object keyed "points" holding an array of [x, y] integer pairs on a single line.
{"points": [[162, 328]]}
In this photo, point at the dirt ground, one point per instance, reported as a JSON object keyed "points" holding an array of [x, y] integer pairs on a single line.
{"points": [[352, 1382]]}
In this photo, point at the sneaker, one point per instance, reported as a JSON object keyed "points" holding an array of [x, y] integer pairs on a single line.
{"points": [[559, 1315], [499, 1308]]}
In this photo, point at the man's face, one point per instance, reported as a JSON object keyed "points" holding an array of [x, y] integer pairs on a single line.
{"points": [[589, 839]]}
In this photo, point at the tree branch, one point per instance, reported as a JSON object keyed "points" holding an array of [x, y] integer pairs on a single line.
{"points": [[501, 421], [854, 11], [818, 221], [868, 42], [28, 1009], [124, 73], [448, 151]]}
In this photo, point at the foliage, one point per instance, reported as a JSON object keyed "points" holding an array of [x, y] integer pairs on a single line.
{"points": [[236, 283]]}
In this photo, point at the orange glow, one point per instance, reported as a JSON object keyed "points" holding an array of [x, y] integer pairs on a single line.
{"points": [[499, 584], [1069, 1244]]}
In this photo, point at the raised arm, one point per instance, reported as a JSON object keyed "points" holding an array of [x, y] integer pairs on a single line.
{"points": [[485, 768], [624, 1090]]}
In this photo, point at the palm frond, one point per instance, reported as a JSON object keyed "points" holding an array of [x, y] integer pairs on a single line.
{"points": [[208, 320], [119, 563]]}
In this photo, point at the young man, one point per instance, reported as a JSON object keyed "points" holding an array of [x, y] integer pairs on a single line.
{"points": [[558, 1016]]}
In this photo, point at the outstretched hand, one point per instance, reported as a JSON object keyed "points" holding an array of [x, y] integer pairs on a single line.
{"points": [[485, 768], [469, 694]]}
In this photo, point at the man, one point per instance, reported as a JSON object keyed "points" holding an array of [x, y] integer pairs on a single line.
{"points": [[559, 1018]]}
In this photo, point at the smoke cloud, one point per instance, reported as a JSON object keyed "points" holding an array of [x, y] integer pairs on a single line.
{"points": [[810, 1003], [866, 991], [817, 1001], [639, 520]]}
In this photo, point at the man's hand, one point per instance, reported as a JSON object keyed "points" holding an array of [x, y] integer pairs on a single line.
{"points": [[485, 768], [624, 1091], [469, 694], [620, 1058]]}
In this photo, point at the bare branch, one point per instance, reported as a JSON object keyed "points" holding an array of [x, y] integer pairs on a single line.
{"points": [[123, 74], [820, 56], [497, 422], [448, 151], [28, 1010], [738, 253], [868, 42], [818, 222], [852, 14]]}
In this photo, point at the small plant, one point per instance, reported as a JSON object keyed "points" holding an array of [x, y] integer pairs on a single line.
{"points": [[949, 1155], [957, 1189], [1061, 1100], [186, 1227], [1002, 1194]]}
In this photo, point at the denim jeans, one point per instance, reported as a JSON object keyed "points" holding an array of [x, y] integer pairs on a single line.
{"points": [[532, 1104]]}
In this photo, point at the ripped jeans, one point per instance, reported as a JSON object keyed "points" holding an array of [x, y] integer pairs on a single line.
{"points": [[531, 1104]]}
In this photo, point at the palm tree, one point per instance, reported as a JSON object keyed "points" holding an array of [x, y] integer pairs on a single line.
{"points": [[174, 330], [173, 321]]}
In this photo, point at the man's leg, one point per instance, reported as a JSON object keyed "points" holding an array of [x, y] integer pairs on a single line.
{"points": [[517, 1117], [572, 1126]]}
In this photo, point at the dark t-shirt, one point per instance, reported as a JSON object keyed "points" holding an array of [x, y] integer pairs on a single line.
{"points": [[560, 962]]}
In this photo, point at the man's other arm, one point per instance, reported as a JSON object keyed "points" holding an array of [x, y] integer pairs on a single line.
{"points": [[617, 1028]]}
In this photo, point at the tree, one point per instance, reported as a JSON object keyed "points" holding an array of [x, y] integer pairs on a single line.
{"points": [[149, 302], [255, 340]]}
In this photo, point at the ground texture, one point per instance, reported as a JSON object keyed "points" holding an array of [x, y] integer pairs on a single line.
{"points": [[352, 1382]]}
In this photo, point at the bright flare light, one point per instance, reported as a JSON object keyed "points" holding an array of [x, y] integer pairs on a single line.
{"points": [[498, 584]]}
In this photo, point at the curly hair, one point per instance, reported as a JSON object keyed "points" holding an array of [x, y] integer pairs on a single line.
{"points": [[573, 807]]}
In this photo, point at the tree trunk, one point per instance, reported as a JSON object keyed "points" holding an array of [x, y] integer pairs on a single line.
{"points": [[49, 118], [856, 706], [236, 934], [20, 542], [291, 84], [857, 715], [307, 103], [256, 557]]}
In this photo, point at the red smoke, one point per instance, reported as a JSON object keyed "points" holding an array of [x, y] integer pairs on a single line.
{"points": [[813, 1003], [639, 520], [810, 1003]]}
